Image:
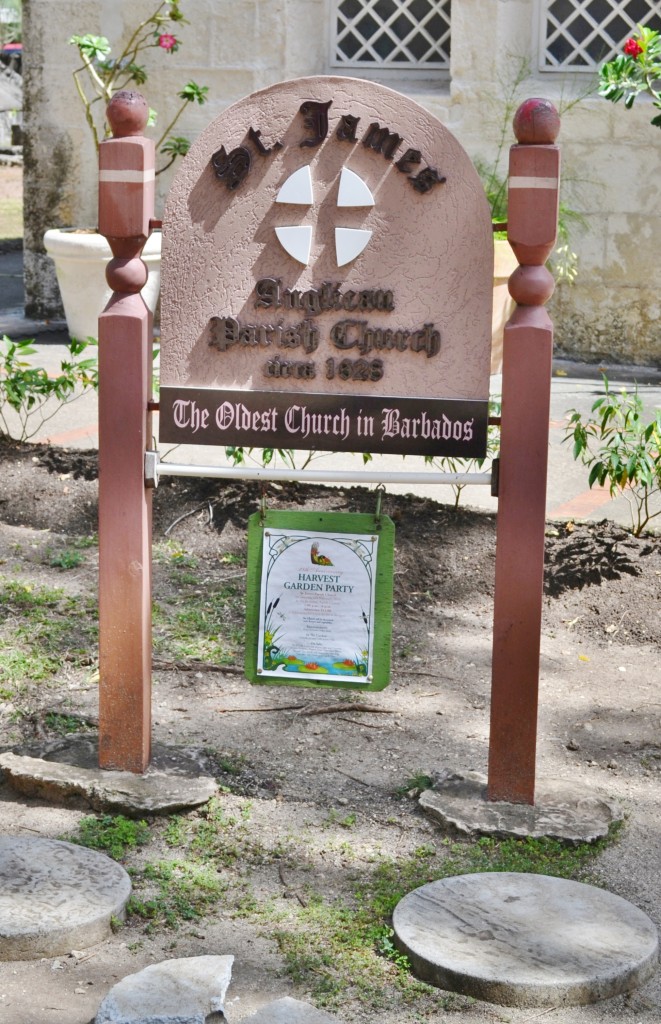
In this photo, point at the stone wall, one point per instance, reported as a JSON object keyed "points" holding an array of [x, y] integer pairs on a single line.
{"points": [[612, 157]]}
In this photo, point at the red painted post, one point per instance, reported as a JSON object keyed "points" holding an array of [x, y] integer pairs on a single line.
{"points": [[126, 204], [527, 355]]}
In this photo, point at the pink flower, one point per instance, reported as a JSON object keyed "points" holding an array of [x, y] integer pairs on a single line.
{"points": [[632, 48], [167, 41]]}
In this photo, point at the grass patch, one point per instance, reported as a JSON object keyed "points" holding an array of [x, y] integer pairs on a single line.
{"points": [[202, 618], [19, 666], [229, 558], [114, 835], [66, 558], [214, 849], [175, 891], [41, 629], [204, 625], [64, 724]]}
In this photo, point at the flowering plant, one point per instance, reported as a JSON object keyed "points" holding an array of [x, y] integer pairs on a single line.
{"points": [[101, 75], [636, 70]]}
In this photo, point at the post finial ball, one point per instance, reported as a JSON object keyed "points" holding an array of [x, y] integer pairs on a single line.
{"points": [[536, 122], [127, 113]]}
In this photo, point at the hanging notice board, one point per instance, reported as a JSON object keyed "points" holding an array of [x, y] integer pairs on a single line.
{"points": [[327, 272], [319, 599]]}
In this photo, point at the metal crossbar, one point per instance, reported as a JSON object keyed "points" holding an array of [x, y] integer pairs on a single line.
{"points": [[154, 469]]}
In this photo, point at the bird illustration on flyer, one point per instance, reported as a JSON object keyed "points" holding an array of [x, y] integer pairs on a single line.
{"points": [[316, 614]]}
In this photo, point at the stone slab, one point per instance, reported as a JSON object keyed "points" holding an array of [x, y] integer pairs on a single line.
{"points": [[290, 1011], [525, 940], [189, 990], [67, 772], [563, 810], [55, 897]]}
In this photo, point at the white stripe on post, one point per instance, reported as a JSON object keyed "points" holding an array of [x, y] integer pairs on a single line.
{"points": [[524, 182]]}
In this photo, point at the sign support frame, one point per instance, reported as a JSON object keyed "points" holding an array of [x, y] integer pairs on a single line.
{"points": [[125, 532]]}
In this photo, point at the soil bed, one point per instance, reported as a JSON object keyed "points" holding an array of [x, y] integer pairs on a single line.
{"points": [[315, 797]]}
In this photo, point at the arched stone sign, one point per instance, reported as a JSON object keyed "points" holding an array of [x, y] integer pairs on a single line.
{"points": [[327, 278]]}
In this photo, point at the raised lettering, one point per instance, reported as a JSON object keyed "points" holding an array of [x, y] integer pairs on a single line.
{"points": [[382, 140], [255, 137], [232, 168], [224, 332], [411, 157], [425, 181], [316, 121], [346, 129], [268, 293]]}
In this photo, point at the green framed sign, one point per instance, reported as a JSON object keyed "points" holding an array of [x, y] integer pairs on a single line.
{"points": [[319, 599]]}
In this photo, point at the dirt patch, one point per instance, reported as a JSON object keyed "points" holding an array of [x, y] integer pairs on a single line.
{"points": [[582, 557], [319, 778]]}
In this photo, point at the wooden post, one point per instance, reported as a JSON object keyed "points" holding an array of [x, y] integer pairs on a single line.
{"points": [[126, 204], [527, 355]]}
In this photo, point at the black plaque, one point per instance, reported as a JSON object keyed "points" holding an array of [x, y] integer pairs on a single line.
{"points": [[327, 422]]}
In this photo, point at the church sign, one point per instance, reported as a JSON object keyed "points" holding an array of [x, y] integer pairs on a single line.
{"points": [[327, 279]]}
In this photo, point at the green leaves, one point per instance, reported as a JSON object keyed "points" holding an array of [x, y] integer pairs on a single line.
{"points": [[176, 145], [92, 47], [26, 389], [137, 73], [621, 449], [192, 92], [637, 70], [99, 77]]}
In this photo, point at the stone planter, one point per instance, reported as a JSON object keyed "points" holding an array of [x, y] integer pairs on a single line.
{"points": [[80, 258], [504, 264]]}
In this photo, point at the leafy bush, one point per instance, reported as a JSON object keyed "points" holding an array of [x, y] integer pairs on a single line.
{"points": [[33, 395], [636, 71], [621, 448]]}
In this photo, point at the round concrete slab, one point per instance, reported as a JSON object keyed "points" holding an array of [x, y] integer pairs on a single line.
{"points": [[55, 897], [525, 940]]}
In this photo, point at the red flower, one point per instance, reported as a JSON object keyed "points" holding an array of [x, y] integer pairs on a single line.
{"points": [[312, 666], [632, 48], [167, 41]]}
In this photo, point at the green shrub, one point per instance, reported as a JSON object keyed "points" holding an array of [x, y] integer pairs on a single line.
{"points": [[33, 395], [622, 449]]}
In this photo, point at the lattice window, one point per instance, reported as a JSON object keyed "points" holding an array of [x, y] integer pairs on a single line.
{"points": [[580, 34], [391, 34]]}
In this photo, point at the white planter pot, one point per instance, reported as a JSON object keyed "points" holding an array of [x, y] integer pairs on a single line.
{"points": [[504, 264], [80, 259]]}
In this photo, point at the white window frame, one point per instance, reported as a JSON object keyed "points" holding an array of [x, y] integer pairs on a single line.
{"points": [[619, 9], [375, 68]]}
